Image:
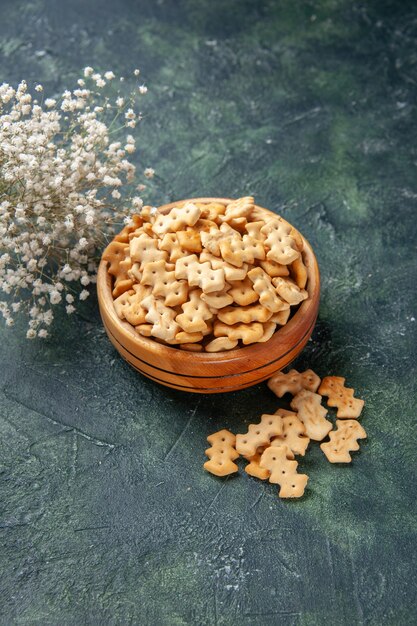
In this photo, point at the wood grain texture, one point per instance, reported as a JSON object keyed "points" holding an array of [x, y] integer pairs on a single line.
{"points": [[223, 371]]}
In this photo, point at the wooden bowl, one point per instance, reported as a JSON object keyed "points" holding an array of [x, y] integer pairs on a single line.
{"points": [[203, 372]]}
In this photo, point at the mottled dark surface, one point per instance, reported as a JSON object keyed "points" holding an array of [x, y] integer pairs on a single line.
{"points": [[106, 514]]}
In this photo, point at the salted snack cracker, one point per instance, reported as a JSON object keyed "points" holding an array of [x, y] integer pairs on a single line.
{"points": [[254, 230], [191, 347], [279, 461], [269, 329], [212, 210], [121, 302], [281, 317], [162, 318], [268, 296], [239, 208], [170, 244], [232, 315], [273, 269], [343, 441], [312, 414], [254, 469], [177, 219], [221, 454], [217, 299], [199, 274], [231, 273], [221, 343], [133, 312], [144, 249], [341, 397], [281, 242], [289, 291], [123, 236], [259, 435], [293, 382], [238, 250], [248, 333], [195, 312], [160, 276], [189, 240], [243, 293], [299, 272], [293, 433]]}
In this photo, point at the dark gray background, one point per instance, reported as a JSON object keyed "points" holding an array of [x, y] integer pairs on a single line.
{"points": [[106, 514]]}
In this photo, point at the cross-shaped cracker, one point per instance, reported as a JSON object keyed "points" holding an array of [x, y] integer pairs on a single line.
{"points": [[134, 312], [144, 249], [343, 440], [254, 469], [195, 312], [292, 382], [161, 277], [312, 414], [243, 293], [268, 297], [289, 291], [299, 272], [222, 453], [232, 315], [293, 433], [162, 318], [177, 219], [170, 244], [282, 245], [279, 461], [236, 209], [248, 333], [231, 272], [341, 397], [239, 250], [199, 274], [259, 435]]}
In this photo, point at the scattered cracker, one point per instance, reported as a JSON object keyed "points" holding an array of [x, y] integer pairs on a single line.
{"points": [[312, 414], [293, 382], [254, 469], [279, 461], [341, 397], [259, 434], [293, 433], [343, 441], [221, 454]]}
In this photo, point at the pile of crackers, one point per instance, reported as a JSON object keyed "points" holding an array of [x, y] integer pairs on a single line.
{"points": [[207, 276], [271, 445]]}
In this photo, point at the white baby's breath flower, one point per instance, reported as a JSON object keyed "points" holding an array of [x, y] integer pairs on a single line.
{"points": [[66, 183], [149, 172], [136, 72], [55, 297], [39, 88], [143, 89]]}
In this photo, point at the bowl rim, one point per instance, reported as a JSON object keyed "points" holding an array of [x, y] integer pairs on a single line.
{"points": [[173, 352]]}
